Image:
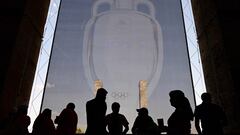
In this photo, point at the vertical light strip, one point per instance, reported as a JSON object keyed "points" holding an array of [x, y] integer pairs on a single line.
{"points": [[143, 98], [43, 61], [194, 53], [97, 84]]}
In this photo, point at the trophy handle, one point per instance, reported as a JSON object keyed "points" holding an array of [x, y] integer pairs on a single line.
{"points": [[146, 3], [98, 3]]}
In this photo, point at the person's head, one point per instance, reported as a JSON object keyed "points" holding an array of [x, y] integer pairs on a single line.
{"points": [[101, 94], [115, 107], [206, 97], [47, 113], [179, 101], [176, 97], [142, 111], [71, 106]]}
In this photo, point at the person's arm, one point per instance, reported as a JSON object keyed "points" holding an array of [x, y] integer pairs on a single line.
{"points": [[87, 113], [126, 128], [106, 123], [135, 127], [28, 122], [197, 126], [51, 127], [197, 120], [125, 124], [105, 108], [60, 119]]}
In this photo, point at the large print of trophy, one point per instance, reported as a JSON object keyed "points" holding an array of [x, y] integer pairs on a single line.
{"points": [[123, 51]]}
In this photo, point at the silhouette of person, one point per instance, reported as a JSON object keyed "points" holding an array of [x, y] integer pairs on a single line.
{"points": [[144, 124], [212, 117], [179, 123], [115, 121], [67, 121], [21, 122], [96, 111], [43, 125]]}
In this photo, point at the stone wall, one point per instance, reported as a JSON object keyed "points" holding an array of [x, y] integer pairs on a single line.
{"points": [[23, 25], [217, 28]]}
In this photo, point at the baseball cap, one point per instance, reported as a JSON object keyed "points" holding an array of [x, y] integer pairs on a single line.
{"points": [[142, 110]]}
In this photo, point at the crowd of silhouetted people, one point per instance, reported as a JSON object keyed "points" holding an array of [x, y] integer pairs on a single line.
{"points": [[211, 117]]}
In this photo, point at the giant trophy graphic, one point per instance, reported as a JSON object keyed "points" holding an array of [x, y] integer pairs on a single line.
{"points": [[123, 51]]}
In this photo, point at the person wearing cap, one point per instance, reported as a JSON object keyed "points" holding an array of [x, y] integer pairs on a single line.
{"points": [[116, 121], [96, 112], [144, 124]]}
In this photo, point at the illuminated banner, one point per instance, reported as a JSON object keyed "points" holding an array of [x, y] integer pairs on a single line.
{"points": [[136, 49]]}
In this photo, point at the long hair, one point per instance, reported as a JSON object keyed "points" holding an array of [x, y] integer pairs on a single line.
{"points": [[179, 101]]}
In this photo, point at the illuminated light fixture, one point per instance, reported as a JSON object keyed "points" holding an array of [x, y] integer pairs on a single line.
{"points": [[98, 84], [143, 98]]}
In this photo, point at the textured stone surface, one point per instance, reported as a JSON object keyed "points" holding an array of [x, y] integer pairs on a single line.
{"points": [[217, 28], [23, 25]]}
